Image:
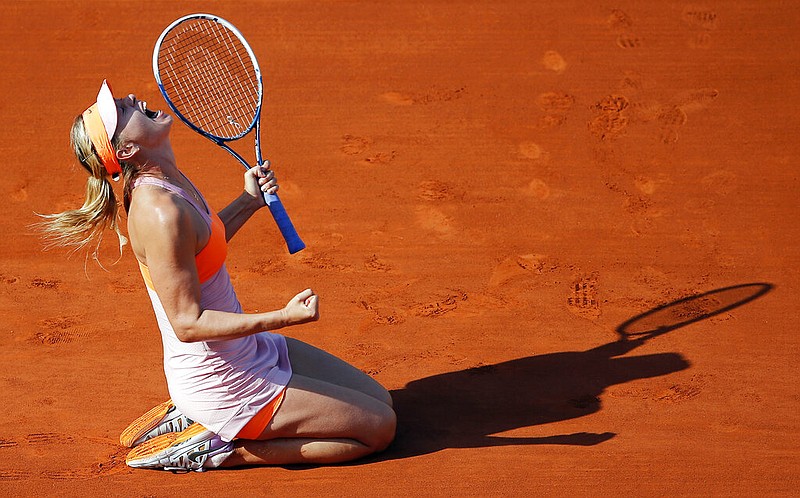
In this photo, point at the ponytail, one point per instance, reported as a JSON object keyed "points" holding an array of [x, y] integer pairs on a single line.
{"points": [[83, 228]]}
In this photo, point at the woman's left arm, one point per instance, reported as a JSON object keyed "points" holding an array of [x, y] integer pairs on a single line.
{"points": [[257, 181]]}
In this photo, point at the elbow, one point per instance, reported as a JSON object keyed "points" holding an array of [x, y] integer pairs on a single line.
{"points": [[186, 331], [184, 336]]}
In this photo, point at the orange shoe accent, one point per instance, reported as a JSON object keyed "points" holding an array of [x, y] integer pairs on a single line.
{"points": [[165, 414], [163, 442]]}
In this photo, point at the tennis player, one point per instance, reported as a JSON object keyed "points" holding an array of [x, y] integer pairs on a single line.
{"points": [[240, 395]]}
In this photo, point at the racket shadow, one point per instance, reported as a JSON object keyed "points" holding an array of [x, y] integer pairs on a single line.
{"points": [[463, 409]]}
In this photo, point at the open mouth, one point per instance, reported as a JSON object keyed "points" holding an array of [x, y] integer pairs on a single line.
{"points": [[149, 113]]}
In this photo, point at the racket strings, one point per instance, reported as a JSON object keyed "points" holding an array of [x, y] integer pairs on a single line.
{"points": [[210, 78]]}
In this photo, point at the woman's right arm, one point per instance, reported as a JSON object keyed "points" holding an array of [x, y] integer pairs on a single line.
{"points": [[258, 180], [169, 250]]}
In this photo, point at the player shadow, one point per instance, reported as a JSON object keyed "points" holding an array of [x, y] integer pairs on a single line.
{"points": [[464, 409]]}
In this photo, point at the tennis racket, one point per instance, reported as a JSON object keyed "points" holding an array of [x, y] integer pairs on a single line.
{"points": [[210, 78]]}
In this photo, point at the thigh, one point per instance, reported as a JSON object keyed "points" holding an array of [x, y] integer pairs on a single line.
{"points": [[312, 362], [313, 408]]}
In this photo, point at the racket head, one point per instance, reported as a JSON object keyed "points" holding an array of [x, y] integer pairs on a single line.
{"points": [[209, 76], [689, 310]]}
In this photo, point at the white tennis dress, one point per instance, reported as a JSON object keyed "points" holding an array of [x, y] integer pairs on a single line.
{"points": [[220, 384]]}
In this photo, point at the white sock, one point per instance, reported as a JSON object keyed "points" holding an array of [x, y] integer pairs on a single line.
{"points": [[219, 456]]}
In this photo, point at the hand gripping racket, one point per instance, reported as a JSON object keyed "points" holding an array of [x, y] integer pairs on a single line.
{"points": [[210, 79]]}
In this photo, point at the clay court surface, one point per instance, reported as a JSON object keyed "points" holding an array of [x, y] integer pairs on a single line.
{"points": [[563, 234]]}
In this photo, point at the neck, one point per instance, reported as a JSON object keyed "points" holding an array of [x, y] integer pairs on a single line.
{"points": [[160, 163]]}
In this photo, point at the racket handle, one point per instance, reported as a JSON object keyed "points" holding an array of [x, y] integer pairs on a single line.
{"points": [[293, 241]]}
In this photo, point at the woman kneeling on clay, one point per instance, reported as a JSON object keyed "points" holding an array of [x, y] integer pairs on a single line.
{"points": [[239, 395]]}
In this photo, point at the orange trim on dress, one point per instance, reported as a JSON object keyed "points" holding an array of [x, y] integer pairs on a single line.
{"points": [[210, 258], [261, 420]]}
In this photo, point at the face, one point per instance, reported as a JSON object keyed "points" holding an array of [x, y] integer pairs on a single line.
{"points": [[136, 123]]}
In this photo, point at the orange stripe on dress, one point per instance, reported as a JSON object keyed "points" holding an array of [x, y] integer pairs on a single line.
{"points": [[256, 426], [210, 258]]}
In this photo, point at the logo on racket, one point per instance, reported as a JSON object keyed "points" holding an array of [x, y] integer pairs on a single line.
{"points": [[232, 121]]}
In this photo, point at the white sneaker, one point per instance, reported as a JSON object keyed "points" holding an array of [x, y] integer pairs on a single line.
{"points": [[161, 419], [187, 450]]}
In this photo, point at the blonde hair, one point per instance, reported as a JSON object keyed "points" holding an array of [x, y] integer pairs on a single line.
{"points": [[83, 228]]}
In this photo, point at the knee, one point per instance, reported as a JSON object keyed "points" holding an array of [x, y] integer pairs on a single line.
{"points": [[384, 431], [386, 398], [377, 391]]}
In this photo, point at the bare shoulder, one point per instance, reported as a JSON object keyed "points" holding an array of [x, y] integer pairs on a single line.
{"points": [[157, 216], [154, 207]]}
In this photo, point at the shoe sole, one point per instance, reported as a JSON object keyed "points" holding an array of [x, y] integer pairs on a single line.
{"points": [[161, 443], [145, 424]]}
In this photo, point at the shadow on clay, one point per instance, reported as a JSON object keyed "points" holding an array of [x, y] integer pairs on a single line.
{"points": [[464, 409]]}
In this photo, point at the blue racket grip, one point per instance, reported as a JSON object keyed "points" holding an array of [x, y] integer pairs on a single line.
{"points": [[293, 241]]}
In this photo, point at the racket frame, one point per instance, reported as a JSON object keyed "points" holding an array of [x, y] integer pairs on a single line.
{"points": [[293, 241]]}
